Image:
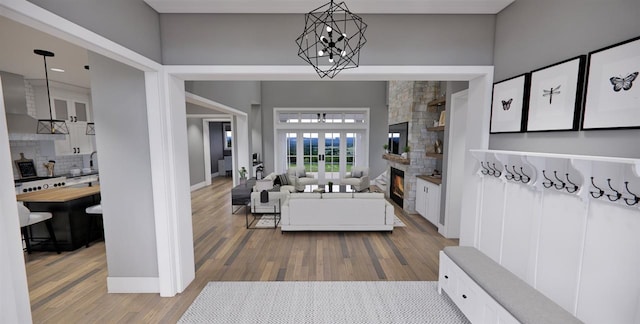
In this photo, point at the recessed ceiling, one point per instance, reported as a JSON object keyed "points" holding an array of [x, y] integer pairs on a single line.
{"points": [[18, 42], [357, 6]]}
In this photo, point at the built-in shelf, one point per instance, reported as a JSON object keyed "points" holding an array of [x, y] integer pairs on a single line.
{"points": [[436, 102], [436, 129], [435, 155], [396, 158]]}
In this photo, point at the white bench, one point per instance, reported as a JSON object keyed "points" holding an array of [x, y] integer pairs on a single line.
{"points": [[488, 293]]}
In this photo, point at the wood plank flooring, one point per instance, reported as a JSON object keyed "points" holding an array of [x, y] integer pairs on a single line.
{"points": [[71, 287]]}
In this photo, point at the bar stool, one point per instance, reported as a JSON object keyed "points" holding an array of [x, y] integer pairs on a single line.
{"points": [[92, 210], [28, 218]]}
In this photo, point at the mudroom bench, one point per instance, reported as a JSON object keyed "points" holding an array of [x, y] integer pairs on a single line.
{"points": [[488, 293]]}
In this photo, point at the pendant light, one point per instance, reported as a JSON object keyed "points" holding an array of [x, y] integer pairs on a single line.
{"points": [[91, 127], [49, 126]]}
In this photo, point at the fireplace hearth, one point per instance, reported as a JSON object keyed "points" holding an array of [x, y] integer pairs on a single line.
{"points": [[396, 189]]}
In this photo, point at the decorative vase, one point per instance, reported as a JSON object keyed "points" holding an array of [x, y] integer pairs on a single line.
{"points": [[405, 155], [243, 180]]}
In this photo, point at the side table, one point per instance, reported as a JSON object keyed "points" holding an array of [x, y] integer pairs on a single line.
{"points": [[276, 203]]}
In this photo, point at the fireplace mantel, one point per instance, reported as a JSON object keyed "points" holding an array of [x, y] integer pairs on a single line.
{"points": [[396, 158]]}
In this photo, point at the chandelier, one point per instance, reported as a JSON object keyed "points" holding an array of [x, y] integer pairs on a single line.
{"points": [[332, 39], [49, 126]]}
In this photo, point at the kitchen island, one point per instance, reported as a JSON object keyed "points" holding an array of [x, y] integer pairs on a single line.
{"points": [[70, 222]]}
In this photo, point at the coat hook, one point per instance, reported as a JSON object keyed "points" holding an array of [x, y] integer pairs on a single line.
{"points": [[546, 184], [631, 201], [519, 176], [509, 175], [573, 188], [596, 194], [492, 171], [617, 196], [523, 176], [485, 171], [496, 171], [555, 174]]}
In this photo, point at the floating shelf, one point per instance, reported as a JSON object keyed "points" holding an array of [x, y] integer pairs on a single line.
{"points": [[396, 158], [436, 129], [435, 155], [436, 102]]}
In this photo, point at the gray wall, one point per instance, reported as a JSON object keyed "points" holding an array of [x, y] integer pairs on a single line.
{"points": [[284, 94], [216, 145], [196, 151], [122, 138], [235, 94], [130, 23], [532, 34], [270, 39]]}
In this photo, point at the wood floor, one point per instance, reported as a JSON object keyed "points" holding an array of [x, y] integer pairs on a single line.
{"points": [[71, 287]]}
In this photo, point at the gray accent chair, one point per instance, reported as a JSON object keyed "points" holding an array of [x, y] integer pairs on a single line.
{"points": [[300, 178], [358, 178]]}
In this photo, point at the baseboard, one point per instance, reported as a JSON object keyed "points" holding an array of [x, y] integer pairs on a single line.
{"points": [[198, 186], [132, 285], [215, 174]]}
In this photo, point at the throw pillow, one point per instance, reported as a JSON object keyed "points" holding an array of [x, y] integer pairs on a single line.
{"points": [[284, 179], [356, 174], [301, 173], [276, 181]]}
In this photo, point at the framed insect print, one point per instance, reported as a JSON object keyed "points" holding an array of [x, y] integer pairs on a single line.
{"points": [[613, 92], [509, 106], [555, 100]]}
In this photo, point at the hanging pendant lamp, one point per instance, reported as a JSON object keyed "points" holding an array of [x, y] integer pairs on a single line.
{"points": [[49, 126], [332, 39]]}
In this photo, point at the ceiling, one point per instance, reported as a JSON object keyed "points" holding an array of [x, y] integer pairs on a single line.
{"points": [[18, 42], [357, 6]]}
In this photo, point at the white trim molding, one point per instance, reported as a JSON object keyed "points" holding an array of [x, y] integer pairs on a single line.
{"points": [[199, 185], [133, 285]]}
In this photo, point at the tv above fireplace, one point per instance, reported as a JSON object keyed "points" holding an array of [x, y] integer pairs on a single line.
{"points": [[398, 134]]}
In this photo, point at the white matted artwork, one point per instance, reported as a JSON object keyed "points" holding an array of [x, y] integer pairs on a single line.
{"points": [[556, 96], [613, 92], [510, 101]]}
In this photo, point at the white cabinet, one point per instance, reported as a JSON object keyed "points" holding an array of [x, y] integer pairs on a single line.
{"points": [[71, 104], [428, 200]]}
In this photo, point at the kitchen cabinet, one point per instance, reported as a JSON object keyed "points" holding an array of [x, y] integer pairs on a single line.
{"points": [[71, 104], [428, 200]]}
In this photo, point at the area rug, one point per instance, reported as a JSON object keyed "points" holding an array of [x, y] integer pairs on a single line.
{"points": [[266, 221], [332, 302]]}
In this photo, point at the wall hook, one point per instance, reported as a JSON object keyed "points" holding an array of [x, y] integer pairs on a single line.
{"points": [[573, 188], [485, 171], [509, 175], [517, 176], [631, 201], [555, 174], [596, 194], [524, 176], [546, 184], [496, 171], [617, 196]]}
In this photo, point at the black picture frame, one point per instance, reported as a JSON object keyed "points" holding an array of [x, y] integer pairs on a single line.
{"points": [[555, 96], [612, 99], [509, 105]]}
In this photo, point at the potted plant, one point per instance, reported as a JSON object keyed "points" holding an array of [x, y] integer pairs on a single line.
{"points": [[330, 184], [243, 175], [386, 148], [405, 153]]}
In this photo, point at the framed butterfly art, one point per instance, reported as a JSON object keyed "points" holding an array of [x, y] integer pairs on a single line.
{"points": [[509, 107], [613, 87], [555, 100]]}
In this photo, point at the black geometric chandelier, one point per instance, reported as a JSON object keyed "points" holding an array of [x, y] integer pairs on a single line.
{"points": [[332, 39], [49, 126]]}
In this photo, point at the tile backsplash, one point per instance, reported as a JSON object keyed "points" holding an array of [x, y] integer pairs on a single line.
{"points": [[41, 152]]}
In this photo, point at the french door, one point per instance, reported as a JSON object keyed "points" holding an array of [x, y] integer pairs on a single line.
{"points": [[326, 154]]}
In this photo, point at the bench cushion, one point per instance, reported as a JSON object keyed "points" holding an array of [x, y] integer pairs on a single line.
{"points": [[524, 302]]}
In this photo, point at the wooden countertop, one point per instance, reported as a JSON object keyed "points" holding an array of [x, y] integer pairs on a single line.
{"points": [[431, 179], [58, 194]]}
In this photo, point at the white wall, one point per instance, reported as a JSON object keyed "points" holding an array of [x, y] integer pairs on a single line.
{"points": [[196, 151], [531, 34], [122, 138]]}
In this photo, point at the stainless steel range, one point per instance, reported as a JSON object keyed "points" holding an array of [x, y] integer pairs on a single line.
{"points": [[39, 183]]}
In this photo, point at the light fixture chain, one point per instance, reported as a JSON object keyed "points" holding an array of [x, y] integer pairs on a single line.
{"points": [[46, 76]]}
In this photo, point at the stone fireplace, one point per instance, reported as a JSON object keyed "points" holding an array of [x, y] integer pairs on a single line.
{"points": [[408, 103]]}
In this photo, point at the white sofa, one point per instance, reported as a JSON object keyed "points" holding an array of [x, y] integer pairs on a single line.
{"points": [[336, 212]]}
